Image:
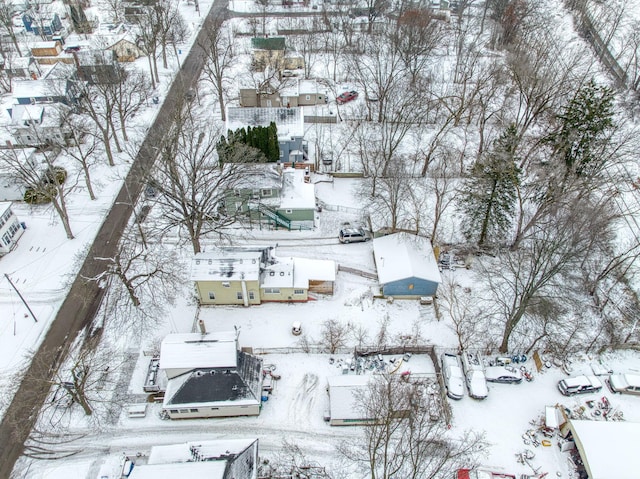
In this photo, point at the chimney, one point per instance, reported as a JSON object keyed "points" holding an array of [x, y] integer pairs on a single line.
{"points": [[202, 327]]}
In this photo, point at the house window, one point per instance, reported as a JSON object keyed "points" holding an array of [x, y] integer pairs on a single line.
{"points": [[271, 290], [281, 154], [266, 192], [226, 284], [307, 97], [193, 410], [212, 295], [288, 211], [239, 294], [411, 286], [298, 291], [173, 411], [252, 295]]}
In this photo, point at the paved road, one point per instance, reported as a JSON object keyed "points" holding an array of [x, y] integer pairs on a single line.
{"points": [[83, 300]]}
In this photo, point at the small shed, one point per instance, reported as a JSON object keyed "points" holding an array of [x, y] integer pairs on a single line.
{"points": [[345, 399], [46, 49], [406, 265]]}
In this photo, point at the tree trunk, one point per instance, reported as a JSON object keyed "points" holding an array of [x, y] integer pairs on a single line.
{"points": [[61, 209], [87, 180], [153, 79]]}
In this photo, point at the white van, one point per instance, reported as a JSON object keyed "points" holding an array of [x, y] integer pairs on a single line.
{"points": [[353, 235]]}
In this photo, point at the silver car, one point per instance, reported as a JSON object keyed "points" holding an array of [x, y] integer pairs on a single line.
{"points": [[625, 383], [453, 378], [503, 374]]}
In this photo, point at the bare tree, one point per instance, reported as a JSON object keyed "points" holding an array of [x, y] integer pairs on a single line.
{"points": [[129, 96], [334, 335], [465, 310], [45, 181], [82, 147], [221, 56], [6, 22], [193, 182], [98, 103], [401, 439], [148, 28], [555, 247]]}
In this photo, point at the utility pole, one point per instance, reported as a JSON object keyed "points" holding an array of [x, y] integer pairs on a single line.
{"points": [[23, 300]]}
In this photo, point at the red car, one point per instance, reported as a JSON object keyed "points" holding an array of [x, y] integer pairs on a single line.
{"points": [[347, 96]]}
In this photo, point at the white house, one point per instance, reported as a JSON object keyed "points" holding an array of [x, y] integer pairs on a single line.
{"points": [[10, 228], [38, 125], [209, 377], [406, 265], [216, 459]]}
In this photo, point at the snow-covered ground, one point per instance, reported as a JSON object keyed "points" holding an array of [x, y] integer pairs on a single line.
{"points": [[43, 264]]}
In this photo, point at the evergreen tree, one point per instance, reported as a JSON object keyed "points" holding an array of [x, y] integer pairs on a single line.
{"points": [[488, 195], [584, 126], [262, 138]]}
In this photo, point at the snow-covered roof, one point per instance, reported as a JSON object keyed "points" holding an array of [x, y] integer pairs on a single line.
{"points": [[264, 176], [279, 275], [226, 265], [196, 350], [22, 113], [289, 121], [45, 44], [21, 62], [207, 450], [192, 470], [403, 255], [4, 206], [608, 449], [35, 88], [345, 396], [234, 386], [296, 194], [306, 269]]}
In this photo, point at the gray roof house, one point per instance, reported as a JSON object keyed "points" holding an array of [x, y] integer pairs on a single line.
{"points": [[209, 377], [216, 459]]}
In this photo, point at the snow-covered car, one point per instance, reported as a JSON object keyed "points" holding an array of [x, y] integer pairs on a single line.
{"points": [[625, 383], [346, 97], [482, 474], [474, 375], [503, 374], [453, 377], [579, 385], [476, 384]]}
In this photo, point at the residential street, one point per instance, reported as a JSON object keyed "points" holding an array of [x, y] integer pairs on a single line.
{"points": [[83, 300]]}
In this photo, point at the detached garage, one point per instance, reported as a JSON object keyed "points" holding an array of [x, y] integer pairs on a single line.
{"points": [[406, 265], [608, 449]]}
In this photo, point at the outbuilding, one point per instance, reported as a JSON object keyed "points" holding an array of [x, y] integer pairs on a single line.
{"points": [[346, 399], [607, 448], [406, 265]]}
